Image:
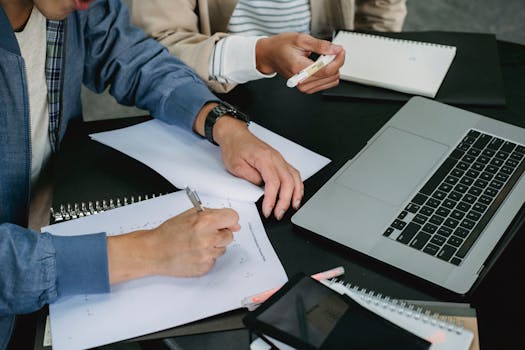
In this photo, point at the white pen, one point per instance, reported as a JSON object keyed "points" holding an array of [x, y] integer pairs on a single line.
{"points": [[194, 198], [321, 62]]}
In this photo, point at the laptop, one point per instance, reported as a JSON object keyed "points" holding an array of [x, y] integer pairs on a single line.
{"points": [[432, 193]]}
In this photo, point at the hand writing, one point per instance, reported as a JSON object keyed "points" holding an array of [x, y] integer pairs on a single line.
{"points": [[184, 246]]}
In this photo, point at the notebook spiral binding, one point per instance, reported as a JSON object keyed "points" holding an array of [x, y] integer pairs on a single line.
{"points": [[406, 41], [404, 307], [68, 212]]}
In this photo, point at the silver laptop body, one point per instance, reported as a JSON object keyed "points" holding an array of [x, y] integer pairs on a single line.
{"points": [[362, 200]]}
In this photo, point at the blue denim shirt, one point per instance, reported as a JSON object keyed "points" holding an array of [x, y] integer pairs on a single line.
{"points": [[102, 50]]}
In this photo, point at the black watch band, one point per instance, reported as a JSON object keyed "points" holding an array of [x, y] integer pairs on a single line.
{"points": [[218, 111]]}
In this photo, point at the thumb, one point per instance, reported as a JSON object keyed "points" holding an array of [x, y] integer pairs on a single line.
{"points": [[247, 172], [322, 47]]}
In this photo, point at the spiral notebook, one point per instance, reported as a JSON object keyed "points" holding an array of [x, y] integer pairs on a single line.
{"points": [[443, 332], [65, 212], [476, 56], [408, 66], [305, 314]]}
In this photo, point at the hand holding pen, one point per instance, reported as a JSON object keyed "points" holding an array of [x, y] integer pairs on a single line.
{"points": [[194, 198], [185, 245], [288, 54]]}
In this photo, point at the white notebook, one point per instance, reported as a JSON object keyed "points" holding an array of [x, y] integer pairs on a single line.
{"points": [[441, 332], [413, 67]]}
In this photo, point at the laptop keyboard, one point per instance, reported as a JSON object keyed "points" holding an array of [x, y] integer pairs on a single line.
{"points": [[449, 213]]}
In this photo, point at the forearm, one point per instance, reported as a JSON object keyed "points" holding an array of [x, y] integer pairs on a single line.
{"points": [[129, 257], [140, 71], [38, 268]]}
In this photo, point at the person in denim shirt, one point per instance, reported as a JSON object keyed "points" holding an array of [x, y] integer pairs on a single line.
{"points": [[48, 48]]}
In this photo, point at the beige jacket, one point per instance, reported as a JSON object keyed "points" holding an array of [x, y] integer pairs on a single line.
{"points": [[190, 28]]}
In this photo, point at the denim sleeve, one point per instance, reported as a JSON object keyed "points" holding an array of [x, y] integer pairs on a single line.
{"points": [[37, 268], [138, 69]]}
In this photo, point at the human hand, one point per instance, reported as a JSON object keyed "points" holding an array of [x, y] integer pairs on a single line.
{"points": [[186, 245], [288, 53], [246, 156]]}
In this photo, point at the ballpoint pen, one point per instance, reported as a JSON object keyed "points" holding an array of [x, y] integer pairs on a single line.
{"points": [[321, 62], [194, 198]]}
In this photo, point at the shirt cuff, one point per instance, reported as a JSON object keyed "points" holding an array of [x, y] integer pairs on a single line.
{"points": [[81, 264], [233, 60]]}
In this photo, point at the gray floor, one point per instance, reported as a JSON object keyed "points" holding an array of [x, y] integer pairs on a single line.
{"points": [[505, 18]]}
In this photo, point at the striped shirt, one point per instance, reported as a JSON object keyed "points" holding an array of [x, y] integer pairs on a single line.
{"points": [[270, 17], [233, 58]]}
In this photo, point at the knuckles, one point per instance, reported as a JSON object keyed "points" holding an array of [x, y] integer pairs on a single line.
{"points": [[301, 39]]}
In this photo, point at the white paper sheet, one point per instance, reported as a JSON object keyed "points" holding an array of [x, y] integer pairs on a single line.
{"points": [[186, 159], [151, 304]]}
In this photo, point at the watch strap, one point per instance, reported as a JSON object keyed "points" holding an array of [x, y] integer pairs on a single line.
{"points": [[223, 108]]}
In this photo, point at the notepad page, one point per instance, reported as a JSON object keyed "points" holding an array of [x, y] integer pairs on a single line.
{"points": [[155, 303], [407, 66], [442, 335]]}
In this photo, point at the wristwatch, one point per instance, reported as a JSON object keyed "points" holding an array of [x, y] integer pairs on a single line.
{"points": [[223, 108]]}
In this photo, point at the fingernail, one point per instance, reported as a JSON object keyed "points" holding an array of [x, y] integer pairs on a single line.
{"points": [[296, 204], [280, 214], [267, 211]]}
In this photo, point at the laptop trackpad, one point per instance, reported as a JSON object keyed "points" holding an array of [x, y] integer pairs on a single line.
{"points": [[393, 165]]}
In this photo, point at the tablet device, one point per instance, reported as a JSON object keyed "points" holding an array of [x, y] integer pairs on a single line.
{"points": [[306, 314]]}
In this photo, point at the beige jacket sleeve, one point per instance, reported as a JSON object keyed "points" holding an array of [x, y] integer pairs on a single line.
{"points": [[380, 15], [184, 28]]}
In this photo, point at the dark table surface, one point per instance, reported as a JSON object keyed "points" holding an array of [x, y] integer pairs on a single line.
{"points": [[337, 129]]}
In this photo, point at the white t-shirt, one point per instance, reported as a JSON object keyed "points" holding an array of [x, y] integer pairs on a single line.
{"points": [[233, 58], [32, 42]]}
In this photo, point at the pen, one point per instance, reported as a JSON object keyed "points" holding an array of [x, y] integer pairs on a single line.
{"points": [[253, 301], [194, 198], [321, 62]]}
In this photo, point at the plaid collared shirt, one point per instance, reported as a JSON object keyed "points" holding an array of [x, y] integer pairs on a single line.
{"points": [[54, 54]]}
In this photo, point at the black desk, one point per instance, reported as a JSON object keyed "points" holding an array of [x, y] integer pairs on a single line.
{"points": [[337, 129]]}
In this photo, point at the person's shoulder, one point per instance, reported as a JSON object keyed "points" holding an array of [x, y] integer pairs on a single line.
{"points": [[101, 14], [100, 9]]}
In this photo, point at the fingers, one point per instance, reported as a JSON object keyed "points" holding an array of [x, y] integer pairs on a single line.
{"points": [[316, 85], [221, 239], [298, 190], [288, 53], [322, 47], [325, 78], [248, 157], [213, 220], [242, 170], [282, 184]]}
